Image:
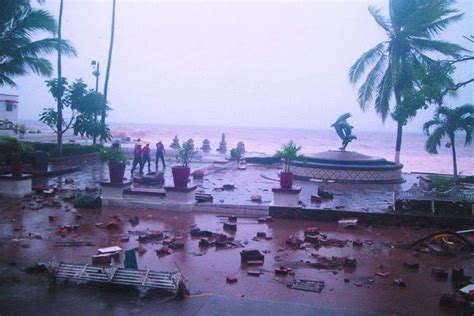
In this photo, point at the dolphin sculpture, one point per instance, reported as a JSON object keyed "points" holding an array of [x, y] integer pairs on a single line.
{"points": [[344, 130]]}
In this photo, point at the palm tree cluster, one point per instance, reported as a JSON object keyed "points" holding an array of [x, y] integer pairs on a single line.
{"points": [[446, 123], [411, 28], [20, 54]]}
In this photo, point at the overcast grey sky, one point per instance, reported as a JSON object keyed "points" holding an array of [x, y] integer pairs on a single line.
{"points": [[240, 63]]}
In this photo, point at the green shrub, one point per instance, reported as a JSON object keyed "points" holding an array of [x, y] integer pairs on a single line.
{"points": [[68, 149], [441, 183]]}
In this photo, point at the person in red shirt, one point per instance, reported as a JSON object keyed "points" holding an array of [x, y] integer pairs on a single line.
{"points": [[160, 154], [137, 156], [145, 158]]}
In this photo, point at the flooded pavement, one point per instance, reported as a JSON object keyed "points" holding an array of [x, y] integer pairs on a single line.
{"points": [[28, 235], [255, 180]]}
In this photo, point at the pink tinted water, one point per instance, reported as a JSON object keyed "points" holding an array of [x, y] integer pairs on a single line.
{"points": [[267, 141]]}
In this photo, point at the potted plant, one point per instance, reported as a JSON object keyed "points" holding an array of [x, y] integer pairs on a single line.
{"points": [[15, 152], [117, 163], [235, 154], [288, 153], [184, 156]]}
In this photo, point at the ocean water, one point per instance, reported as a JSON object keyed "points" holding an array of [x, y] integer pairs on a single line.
{"points": [[267, 141]]}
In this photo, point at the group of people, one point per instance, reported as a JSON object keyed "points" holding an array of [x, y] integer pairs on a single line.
{"points": [[141, 155]]}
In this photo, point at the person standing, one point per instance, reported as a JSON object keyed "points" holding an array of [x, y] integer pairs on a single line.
{"points": [[137, 155], [145, 157], [160, 154]]}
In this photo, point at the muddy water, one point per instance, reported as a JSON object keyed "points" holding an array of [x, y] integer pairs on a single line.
{"points": [[206, 270]]}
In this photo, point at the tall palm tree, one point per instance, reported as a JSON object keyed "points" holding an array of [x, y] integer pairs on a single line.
{"points": [[20, 54], [59, 98], [447, 122], [109, 62], [410, 28]]}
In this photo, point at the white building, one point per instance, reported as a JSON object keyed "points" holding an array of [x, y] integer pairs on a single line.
{"points": [[9, 107], [8, 111]]}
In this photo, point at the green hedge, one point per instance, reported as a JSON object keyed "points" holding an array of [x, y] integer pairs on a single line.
{"points": [[68, 149]]}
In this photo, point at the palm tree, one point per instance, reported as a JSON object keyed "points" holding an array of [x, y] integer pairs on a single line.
{"points": [[410, 28], [19, 53], [447, 122], [109, 62]]}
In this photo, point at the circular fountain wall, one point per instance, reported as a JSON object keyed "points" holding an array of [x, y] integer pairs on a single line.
{"points": [[347, 166]]}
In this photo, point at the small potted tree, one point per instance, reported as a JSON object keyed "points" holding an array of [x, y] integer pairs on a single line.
{"points": [[235, 154], [185, 154], [288, 153], [117, 163]]}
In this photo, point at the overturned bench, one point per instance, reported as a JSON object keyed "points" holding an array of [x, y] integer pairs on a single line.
{"points": [[144, 280]]}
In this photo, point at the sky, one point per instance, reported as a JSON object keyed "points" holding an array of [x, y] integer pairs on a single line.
{"points": [[229, 63]]}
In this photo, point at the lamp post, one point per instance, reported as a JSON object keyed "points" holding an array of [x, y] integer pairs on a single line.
{"points": [[96, 73]]}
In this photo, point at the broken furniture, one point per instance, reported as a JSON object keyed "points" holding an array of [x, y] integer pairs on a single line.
{"points": [[143, 280]]}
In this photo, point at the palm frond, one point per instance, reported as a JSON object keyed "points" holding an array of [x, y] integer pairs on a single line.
{"points": [[437, 46], [367, 59], [380, 19], [434, 140], [384, 92], [437, 26], [427, 125], [367, 89]]}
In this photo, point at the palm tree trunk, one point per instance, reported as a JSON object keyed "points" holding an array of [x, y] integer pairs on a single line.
{"points": [[455, 164], [60, 97], [398, 144], [109, 61]]}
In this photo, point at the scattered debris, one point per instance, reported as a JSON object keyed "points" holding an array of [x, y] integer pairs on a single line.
{"points": [[254, 272], [411, 265], [350, 262], [307, 285], [140, 250], [347, 222], [399, 282], [452, 301], [74, 244], [204, 197], [315, 198], [102, 259], [383, 274], [256, 198], [252, 257], [228, 186], [134, 221], [468, 292], [231, 279], [36, 268], [282, 270], [196, 232], [325, 194], [150, 236], [439, 273], [230, 226], [261, 235], [294, 242], [311, 231]]}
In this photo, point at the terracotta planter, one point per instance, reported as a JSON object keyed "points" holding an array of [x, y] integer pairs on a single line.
{"points": [[116, 172], [17, 168], [286, 180], [180, 176]]}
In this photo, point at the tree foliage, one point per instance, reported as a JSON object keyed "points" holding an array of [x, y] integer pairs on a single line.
{"points": [[447, 122], [20, 51], [84, 106]]}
